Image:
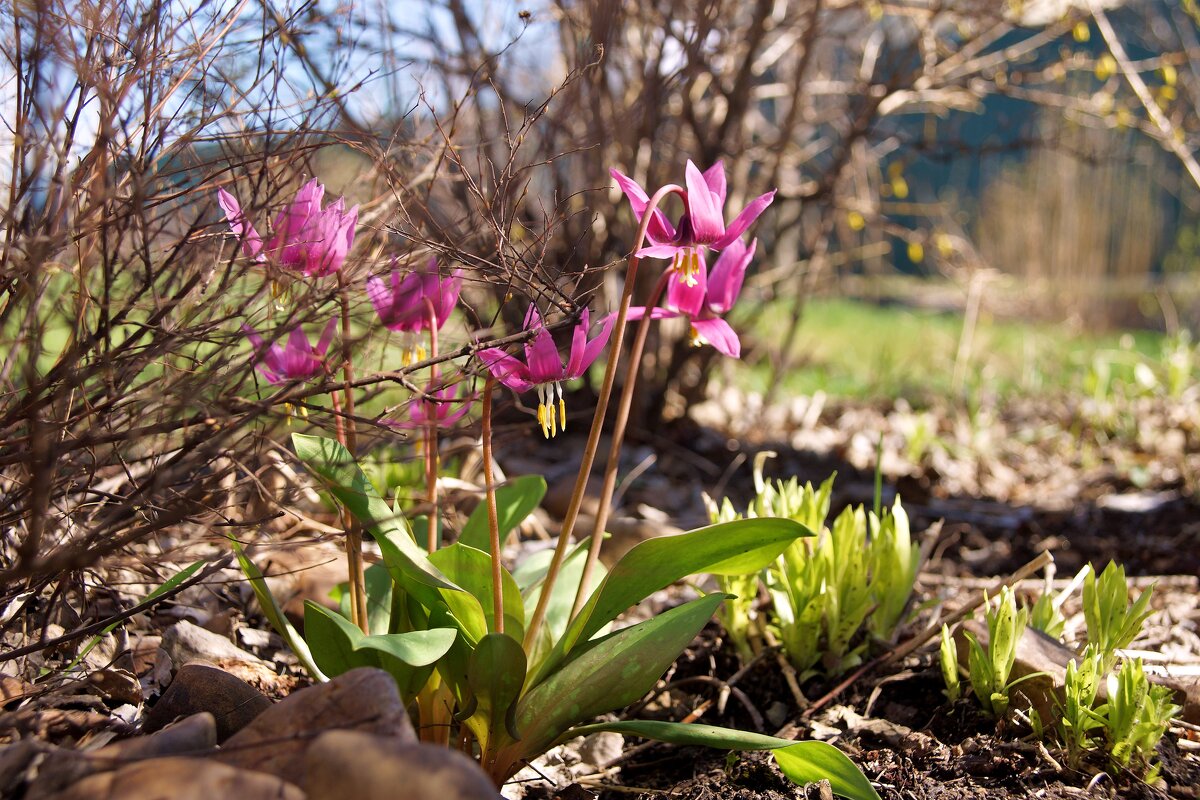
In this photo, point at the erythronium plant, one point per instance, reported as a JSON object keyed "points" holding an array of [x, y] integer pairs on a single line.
{"points": [[702, 225], [543, 368], [298, 360], [420, 301], [516, 661], [313, 240], [704, 300], [307, 238]]}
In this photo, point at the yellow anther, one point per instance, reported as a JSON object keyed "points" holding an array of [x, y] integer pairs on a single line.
{"points": [[406, 357], [541, 418], [562, 412], [421, 352]]}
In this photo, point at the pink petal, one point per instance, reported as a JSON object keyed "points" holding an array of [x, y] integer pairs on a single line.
{"points": [[533, 319], [743, 220], [717, 332], [714, 176], [579, 334], [380, 297], [251, 241], [659, 251], [725, 283], [595, 347], [506, 369], [637, 312], [660, 229], [541, 354], [327, 337], [687, 299], [708, 222]]}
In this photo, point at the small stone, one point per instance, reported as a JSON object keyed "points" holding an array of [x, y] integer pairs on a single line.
{"points": [[201, 687], [180, 779], [363, 699], [345, 764], [184, 643]]}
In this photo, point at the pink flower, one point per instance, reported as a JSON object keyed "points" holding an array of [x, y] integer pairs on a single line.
{"points": [[436, 408], [702, 225], [402, 307], [307, 238], [543, 368], [299, 360], [708, 298]]}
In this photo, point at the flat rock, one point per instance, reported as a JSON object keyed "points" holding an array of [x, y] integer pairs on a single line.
{"points": [[177, 778], [232, 702], [345, 764], [363, 699]]}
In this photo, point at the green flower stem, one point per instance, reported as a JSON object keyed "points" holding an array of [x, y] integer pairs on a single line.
{"points": [[493, 517], [618, 436], [593, 441]]}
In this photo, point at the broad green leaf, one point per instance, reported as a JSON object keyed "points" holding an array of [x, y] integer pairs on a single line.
{"points": [[809, 762], [515, 501], [727, 548], [472, 570], [802, 762], [415, 648], [330, 461], [274, 613], [608, 673], [409, 657], [334, 640], [379, 599], [495, 675]]}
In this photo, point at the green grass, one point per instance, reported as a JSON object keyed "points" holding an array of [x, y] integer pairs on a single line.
{"points": [[855, 349]]}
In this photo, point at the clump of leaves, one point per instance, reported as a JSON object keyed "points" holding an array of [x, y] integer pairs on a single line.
{"points": [[1112, 622], [1136, 716], [990, 668], [832, 595]]}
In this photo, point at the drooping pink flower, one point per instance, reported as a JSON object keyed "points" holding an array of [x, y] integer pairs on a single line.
{"points": [[406, 304], [708, 299], [702, 225], [298, 360], [436, 408], [543, 368], [306, 237]]}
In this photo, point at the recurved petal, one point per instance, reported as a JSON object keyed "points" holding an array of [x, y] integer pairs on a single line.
{"points": [[596, 346], [660, 230], [506, 369], [717, 332], [659, 251], [251, 242], [579, 334], [744, 219]]}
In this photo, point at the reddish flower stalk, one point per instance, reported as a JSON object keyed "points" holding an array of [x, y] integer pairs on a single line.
{"points": [[493, 516], [593, 441]]}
